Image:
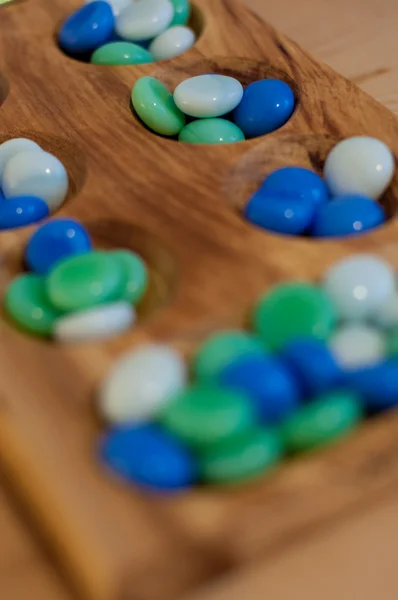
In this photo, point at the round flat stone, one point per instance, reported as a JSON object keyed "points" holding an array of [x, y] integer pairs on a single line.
{"points": [[244, 458], [359, 285], [141, 383], [302, 183], [322, 421], [149, 458], [359, 165], [121, 53], [204, 415], [39, 174], [27, 304], [221, 349], [85, 280], [377, 385], [88, 27], [266, 105], [154, 104], [279, 212], [290, 310], [347, 215], [182, 12], [136, 275], [211, 131], [358, 345], [172, 42], [144, 20], [11, 148], [98, 323], [21, 211], [116, 5], [208, 95], [54, 241], [387, 315]]}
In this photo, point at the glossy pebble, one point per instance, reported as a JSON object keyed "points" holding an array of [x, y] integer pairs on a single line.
{"points": [[182, 12], [87, 28], [322, 421], [299, 182], [155, 106], [54, 241], [359, 165], [268, 382], [39, 174], [266, 105], [347, 215], [144, 19], [221, 349], [140, 383], [116, 5], [279, 212], [12, 147], [211, 131], [208, 95], [387, 315], [378, 384], [85, 280], [246, 457], [98, 323], [314, 365], [205, 415], [359, 285], [148, 457], [21, 211], [358, 345], [294, 309], [136, 275], [172, 42], [27, 303], [121, 53]]}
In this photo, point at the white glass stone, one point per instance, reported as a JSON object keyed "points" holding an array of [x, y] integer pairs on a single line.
{"points": [[38, 174], [208, 95], [359, 165], [387, 314], [359, 285], [100, 322], [11, 148], [116, 5], [172, 42], [144, 19], [358, 345], [141, 383]]}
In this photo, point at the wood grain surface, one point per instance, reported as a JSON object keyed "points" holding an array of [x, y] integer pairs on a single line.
{"points": [[115, 544]]}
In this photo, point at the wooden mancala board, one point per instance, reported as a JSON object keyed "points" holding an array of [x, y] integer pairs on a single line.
{"points": [[179, 207]]}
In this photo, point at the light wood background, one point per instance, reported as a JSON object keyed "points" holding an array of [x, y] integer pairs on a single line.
{"points": [[354, 558]]}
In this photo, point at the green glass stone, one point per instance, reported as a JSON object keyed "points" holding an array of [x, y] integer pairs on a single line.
{"points": [[242, 458], [221, 349], [135, 273], [86, 280], [182, 12], [27, 303], [205, 415], [290, 310], [211, 131], [392, 344], [155, 106], [322, 421], [121, 53]]}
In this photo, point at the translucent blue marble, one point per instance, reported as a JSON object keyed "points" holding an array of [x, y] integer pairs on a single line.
{"points": [[55, 240], [266, 105], [22, 211], [378, 385], [347, 215], [297, 181], [87, 28], [279, 212]]}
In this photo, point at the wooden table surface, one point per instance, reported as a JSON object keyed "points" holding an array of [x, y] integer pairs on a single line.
{"points": [[354, 558]]}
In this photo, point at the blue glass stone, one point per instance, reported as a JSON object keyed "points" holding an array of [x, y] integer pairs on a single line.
{"points": [[269, 384], [279, 212], [266, 105], [22, 211], [297, 181], [347, 215], [149, 457], [54, 241], [378, 385], [314, 365], [87, 28]]}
